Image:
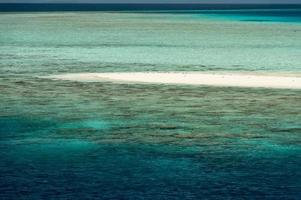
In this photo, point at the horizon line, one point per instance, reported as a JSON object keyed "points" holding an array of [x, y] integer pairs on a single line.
{"points": [[155, 3]]}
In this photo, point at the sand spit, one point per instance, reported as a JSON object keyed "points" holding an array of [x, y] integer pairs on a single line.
{"points": [[281, 81]]}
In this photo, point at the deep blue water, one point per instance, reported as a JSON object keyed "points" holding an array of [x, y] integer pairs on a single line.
{"points": [[36, 168], [79, 170], [242, 12], [12, 7]]}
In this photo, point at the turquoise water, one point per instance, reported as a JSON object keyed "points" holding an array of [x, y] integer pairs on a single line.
{"points": [[259, 15], [76, 140]]}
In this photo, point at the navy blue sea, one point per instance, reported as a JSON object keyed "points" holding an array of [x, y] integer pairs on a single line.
{"points": [[77, 140], [244, 12]]}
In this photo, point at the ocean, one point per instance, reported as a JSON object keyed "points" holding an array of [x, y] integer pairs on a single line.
{"points": [[102, 140]]}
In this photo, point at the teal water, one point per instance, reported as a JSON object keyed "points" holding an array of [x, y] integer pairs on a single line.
{"points": [[76, 140], [259, 15]]}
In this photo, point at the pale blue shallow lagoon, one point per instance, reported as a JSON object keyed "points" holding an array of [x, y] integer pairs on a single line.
{"points": [[82, 140]]}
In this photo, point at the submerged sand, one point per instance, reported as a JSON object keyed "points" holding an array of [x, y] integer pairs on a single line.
{"points": [[281, 81]]}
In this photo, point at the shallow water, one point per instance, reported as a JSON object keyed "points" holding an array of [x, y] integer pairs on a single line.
{"points": [[62, 139]]}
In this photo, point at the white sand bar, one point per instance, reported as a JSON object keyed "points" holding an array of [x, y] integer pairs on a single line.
{"points": [[282, 81]]}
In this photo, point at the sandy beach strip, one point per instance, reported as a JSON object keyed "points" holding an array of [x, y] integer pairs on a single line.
{"points": [[281, 81]]}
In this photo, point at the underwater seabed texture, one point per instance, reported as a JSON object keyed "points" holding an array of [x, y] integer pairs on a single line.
{"points": [[96, 42], [76, 140]]}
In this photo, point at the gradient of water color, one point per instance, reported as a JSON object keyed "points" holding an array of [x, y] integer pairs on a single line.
{"points": [[71, 140]]}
